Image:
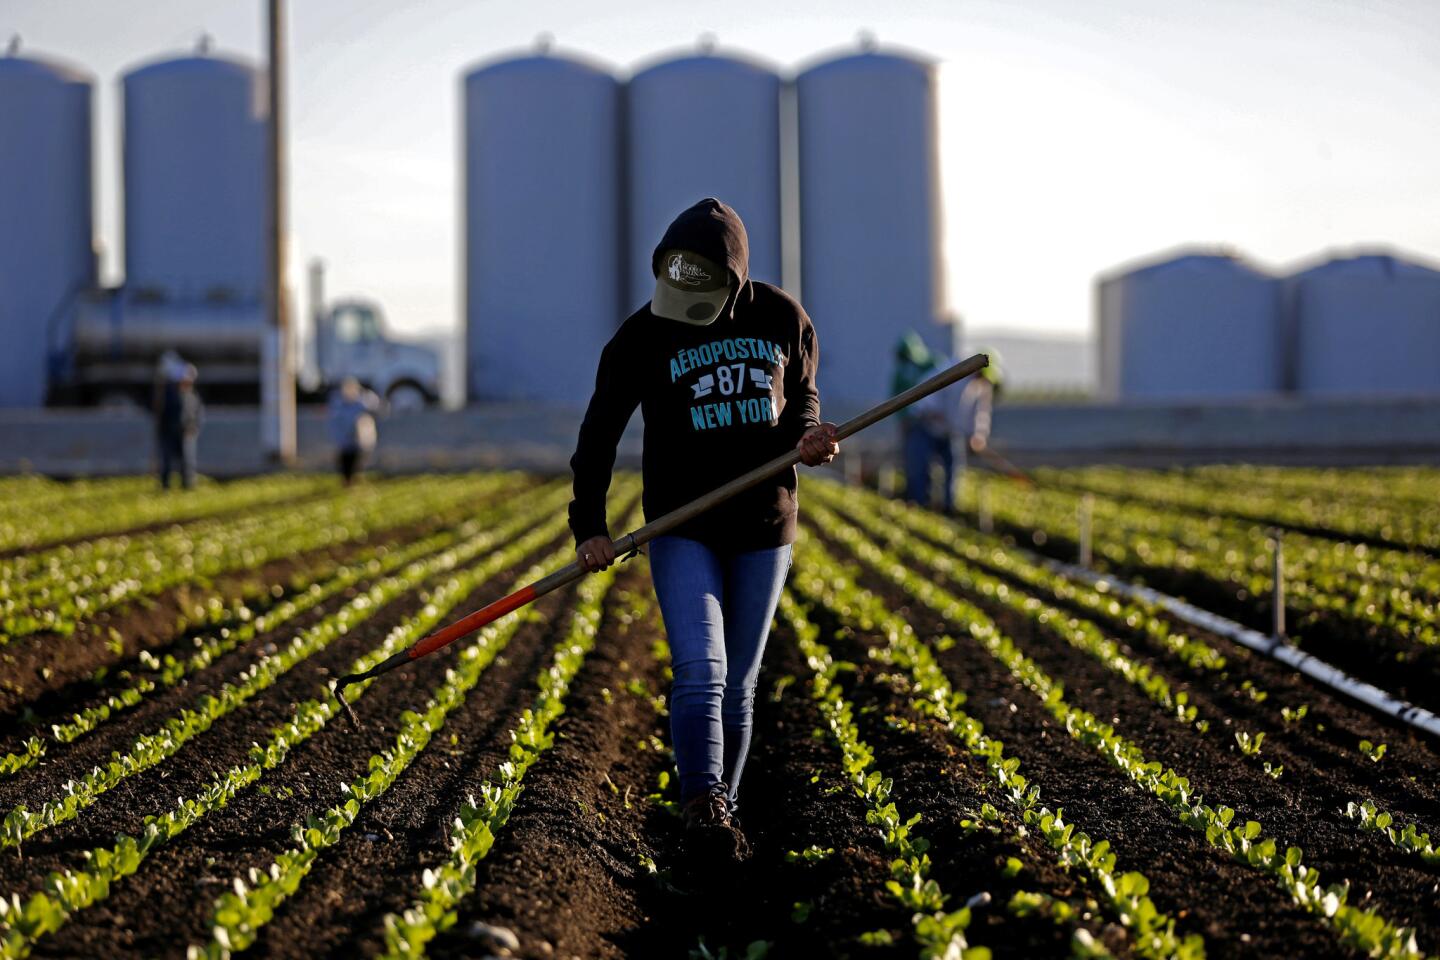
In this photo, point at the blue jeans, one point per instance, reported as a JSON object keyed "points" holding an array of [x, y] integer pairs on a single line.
{"points": [[717, 609], [922, 447], [177, 453]]}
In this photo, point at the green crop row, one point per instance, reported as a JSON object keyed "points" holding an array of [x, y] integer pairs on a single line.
{"points": [[151, 749], [87, 517], [1365, 585], [1083, 635], [168, 671], [1399, 484], [990, 552], [1408, 838], [483, 814], [1366, 929], [824, 582], [64, 893], [939, 933], [192, 554], [241, 912], [1409, 524], [92, 566], [27, 493]]}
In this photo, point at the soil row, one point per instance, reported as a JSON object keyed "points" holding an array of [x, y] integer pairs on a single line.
{"points": [[1240, 911], [1379, 654]]}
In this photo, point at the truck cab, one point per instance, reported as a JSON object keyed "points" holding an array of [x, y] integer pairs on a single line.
{"points": [[351, 341]]}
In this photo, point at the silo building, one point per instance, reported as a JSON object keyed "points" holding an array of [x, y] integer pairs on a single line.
{"points": [[195, 181], [702, 126], [47, 254], [1196, 326], [869, 217], [544, 260], [1366, 325], [196, 244]]}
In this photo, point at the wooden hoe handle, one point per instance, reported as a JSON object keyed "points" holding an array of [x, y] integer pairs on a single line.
{"points": [[630, 543]]}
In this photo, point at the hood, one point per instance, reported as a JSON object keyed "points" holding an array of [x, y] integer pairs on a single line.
{"points": [[714, 230], [911, 349]]}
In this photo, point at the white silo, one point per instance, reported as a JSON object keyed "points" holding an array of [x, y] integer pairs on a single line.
{"points": [[1192, 326], [195, 181], [702, 126], [869, 217], [46, 244], [1366, 325], [543, 227]]}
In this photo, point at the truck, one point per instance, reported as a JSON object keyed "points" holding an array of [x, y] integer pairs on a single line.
{"points": [[107, 354]]}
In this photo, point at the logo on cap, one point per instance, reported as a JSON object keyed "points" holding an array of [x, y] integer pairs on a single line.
{"points": [[682, 271]]}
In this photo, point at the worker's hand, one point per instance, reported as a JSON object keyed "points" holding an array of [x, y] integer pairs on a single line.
{"points": [[818, 445], [977, 443], [597, 553]]}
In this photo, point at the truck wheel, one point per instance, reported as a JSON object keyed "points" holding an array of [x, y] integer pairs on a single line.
{"points": [[406, 398]]}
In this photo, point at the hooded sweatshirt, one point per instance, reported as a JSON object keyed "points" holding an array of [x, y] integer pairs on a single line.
{"points": [[717, 400]]}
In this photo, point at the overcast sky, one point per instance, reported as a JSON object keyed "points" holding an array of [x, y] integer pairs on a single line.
{"points": [[1075, 134]]}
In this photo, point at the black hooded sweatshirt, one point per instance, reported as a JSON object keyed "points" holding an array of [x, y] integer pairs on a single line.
{"points": [[717, 400]]}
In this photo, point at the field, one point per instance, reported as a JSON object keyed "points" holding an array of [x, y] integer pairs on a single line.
{"points": [[960, 752]]}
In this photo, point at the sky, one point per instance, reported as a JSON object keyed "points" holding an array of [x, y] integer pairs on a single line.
{"points": [[1075, 135]]}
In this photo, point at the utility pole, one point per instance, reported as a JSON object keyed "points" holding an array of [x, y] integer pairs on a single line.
{"points": [[277, 371]]}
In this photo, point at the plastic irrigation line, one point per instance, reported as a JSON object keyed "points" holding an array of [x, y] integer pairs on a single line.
{"points": [[1313, 667]]}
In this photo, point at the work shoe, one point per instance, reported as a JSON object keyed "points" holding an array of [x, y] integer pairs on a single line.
{"points": [[710, 832]]}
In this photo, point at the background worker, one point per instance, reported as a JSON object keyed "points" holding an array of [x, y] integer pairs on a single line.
{"points": [[931, 427], [352, 426], [924, 428], [723, 368], [179, 414]]}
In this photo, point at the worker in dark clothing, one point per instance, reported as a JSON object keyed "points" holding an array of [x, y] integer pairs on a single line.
{"points": [[924, 434], [178, 417], [723, 369], [352, 426], [942, 426]]}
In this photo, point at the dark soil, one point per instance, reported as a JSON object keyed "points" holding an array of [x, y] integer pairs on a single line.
{"points": [[1319, 752], [1379, 654], [1240, 911], [187, 873], [47, 677], [569, 872], [226, 743]]}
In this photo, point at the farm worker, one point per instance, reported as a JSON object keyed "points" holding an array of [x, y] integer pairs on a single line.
{"points": [[723, 369], [924, 433], [352, 426], [178, 416], [930, 428]]}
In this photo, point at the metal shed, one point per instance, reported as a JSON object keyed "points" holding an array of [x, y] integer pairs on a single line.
{"points": [[1366, 324], [543, 253], [46, 242], [1196, 325], [702, 126]]}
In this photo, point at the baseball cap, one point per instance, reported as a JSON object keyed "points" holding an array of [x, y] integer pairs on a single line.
{"points": [[690, 288]]}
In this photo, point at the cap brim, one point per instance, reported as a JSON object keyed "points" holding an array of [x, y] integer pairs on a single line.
{"points": [[688, 306]]}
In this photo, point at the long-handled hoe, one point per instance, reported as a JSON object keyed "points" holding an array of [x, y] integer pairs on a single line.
{"points": [[630, 543]]}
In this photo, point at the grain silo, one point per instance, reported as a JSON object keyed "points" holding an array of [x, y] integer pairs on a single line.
{"points": [[1192, 326], [46, 249], [869, 217], [1366, 325], [195, 181], [702, 126], [543, 227]]}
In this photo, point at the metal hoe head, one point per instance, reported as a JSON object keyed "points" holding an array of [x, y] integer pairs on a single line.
{"points": [[386, 665]]}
